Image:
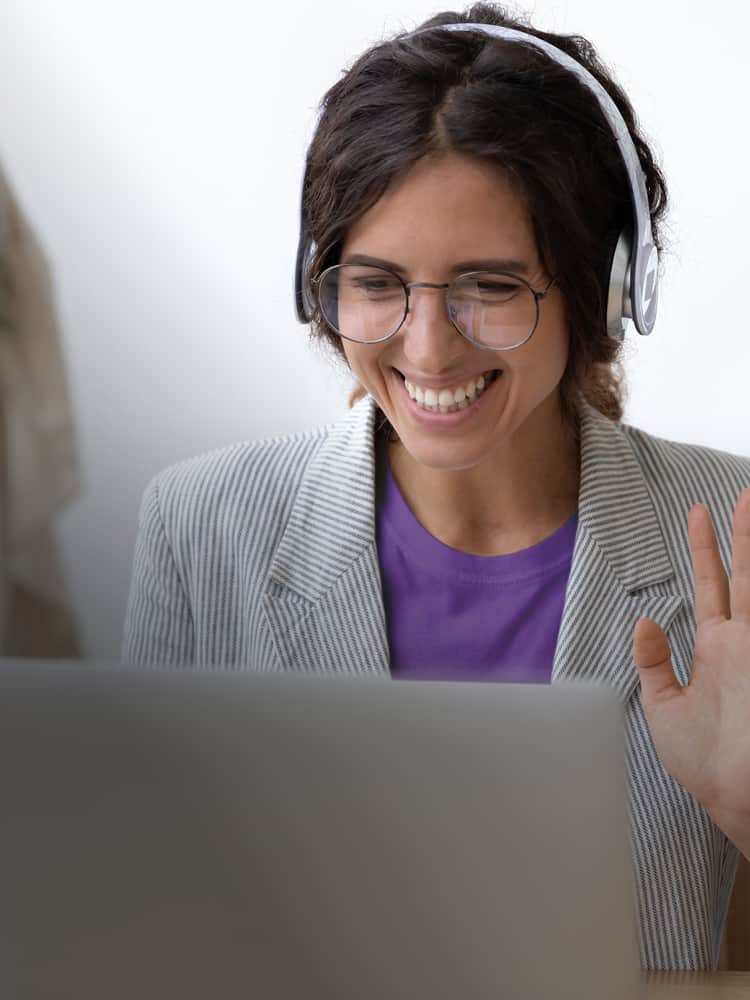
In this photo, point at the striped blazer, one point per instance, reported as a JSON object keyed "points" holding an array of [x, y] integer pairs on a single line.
{"points": [[262, 556]]}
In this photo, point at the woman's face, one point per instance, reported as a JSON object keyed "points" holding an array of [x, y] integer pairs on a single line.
{"points": [[446, 210]]}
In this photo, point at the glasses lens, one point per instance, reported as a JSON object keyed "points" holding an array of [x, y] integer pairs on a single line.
{"points": [[493, 310], [361, 303]]}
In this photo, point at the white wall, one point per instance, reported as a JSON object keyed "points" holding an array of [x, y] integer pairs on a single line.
{"points": [[157, 148]]}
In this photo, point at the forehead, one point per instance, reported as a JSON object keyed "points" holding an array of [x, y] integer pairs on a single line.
{"points": [[446, 206]]}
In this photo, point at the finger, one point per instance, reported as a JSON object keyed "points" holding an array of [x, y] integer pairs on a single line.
{"points": [[654, 662], [712, 601], [740, 587]]}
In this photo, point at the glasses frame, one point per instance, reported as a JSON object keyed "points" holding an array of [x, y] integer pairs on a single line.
{"points": [[408, 285]]}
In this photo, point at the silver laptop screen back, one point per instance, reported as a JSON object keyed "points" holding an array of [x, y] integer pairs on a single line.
{"points": [[184, 833]]}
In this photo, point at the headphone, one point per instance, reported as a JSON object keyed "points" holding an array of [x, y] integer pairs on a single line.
{"points": [[633, 257]]}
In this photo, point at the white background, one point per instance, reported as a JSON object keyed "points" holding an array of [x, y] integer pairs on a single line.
{"points": [[157, 148]]}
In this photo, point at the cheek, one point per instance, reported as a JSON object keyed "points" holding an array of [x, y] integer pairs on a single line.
{"points": [[352, 356], [363, 362], [540, 360], [559, 332], [551, 349]]}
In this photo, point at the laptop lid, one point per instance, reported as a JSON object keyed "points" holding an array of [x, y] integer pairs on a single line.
{"points": [[186, 833]]}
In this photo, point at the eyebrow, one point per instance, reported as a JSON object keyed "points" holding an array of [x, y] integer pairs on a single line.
{"points": [[486, 264]]}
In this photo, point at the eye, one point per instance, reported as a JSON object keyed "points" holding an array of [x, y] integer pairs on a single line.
{"points": [[497, 287], [489, 289], [376, 284]]}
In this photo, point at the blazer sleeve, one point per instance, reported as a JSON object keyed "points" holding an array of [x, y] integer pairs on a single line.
{"points": [[158, 620]]}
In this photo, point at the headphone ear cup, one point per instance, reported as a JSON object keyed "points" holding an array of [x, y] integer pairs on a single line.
{"points": [[309, 302], [618, 261], [306, 248], [304, 303]]}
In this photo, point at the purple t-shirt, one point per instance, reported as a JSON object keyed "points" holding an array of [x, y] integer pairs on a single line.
{"points": [[455, 616]]}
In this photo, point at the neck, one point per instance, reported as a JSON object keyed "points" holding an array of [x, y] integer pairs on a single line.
{"points": [[520, 494]]}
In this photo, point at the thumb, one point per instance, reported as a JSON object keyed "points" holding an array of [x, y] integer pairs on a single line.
{"points": [[654, 662]]}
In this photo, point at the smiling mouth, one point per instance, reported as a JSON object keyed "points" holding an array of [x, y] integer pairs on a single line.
{"points": [[450, 400]]}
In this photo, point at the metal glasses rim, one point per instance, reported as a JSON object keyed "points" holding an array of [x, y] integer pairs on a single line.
{"points": [[407, 286]]}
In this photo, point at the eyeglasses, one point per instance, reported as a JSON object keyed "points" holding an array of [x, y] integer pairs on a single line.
{"points": [[493, 310]]}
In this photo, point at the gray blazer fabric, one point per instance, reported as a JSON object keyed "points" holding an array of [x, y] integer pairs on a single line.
{"points": [[262, 556]]}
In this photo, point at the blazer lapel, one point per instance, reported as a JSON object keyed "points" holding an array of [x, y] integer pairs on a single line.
{"points": [[323, 600], [621, 569]]}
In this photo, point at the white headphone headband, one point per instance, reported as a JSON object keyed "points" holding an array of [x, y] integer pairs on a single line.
{"points": [[644, 262], [633, 284]]}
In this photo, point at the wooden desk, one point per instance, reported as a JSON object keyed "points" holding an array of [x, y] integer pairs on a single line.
{"points": [[698, 985]]}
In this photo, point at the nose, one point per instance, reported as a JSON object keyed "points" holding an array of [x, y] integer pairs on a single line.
{"points": [[430, 341]]}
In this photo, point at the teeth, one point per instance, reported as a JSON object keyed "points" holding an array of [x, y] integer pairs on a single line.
{"points": [[448, 400]]}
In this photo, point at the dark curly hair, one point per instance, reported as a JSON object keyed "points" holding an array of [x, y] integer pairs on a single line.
{"points": [[508, 104]]}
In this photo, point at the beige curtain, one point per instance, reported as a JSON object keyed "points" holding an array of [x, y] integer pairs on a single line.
{"points": [[39, 472]]}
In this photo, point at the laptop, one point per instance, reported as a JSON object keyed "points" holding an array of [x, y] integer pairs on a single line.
{"points": [[213, 833]]}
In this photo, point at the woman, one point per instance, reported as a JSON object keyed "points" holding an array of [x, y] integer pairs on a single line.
{"points": [[482, 512]]}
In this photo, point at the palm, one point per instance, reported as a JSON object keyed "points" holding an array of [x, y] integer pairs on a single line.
{"points": [[702, 731]]}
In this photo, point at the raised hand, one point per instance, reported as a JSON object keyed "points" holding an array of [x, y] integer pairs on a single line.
{"points": [[702, 731]]}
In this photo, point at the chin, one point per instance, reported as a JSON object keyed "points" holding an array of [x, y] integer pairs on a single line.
{"points": [[439, 455]]}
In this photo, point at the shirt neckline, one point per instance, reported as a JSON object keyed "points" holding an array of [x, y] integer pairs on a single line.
{"points": [[398, 522]]}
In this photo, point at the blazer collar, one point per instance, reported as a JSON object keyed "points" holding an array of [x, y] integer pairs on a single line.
{"points": [[620, 559], [323, 600], [615, 507], [621, 569], [333, 518]]}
